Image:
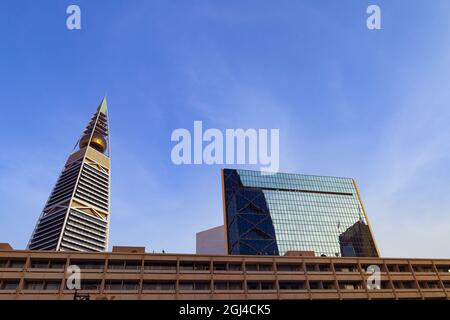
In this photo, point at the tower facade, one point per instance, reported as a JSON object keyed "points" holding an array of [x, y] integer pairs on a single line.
{"points": [[275, 214], [76, 215]]}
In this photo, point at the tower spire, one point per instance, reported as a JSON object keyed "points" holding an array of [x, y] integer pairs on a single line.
{"points": [[103, 107]]}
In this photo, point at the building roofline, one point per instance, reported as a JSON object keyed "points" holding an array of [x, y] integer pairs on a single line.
{"points": [[218, 256], [292, 173]]}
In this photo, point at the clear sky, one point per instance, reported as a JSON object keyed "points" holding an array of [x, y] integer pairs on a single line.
{"points": [[373, 105]]}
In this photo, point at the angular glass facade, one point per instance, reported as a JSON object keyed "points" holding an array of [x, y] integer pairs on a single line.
{"points": [[273, 214]]}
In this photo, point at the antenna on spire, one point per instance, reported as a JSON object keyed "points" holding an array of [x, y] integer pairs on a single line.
{"points": [[103, 105]]}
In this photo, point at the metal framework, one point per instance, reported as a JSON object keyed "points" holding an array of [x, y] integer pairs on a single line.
{"points": [[76, 215]]}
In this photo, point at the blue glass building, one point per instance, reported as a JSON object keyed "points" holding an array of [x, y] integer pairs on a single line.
{"points": [[274, 214]]}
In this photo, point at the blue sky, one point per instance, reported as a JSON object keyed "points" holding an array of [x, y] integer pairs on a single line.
{"points": [[373, 105]]}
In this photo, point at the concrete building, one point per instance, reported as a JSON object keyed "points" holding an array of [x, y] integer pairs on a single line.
{"points": [[130, 273]]}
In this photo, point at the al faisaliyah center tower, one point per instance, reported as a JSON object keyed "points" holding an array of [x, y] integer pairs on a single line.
{"points": [[76, 215]]}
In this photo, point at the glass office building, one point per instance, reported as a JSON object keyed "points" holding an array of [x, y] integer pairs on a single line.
{"points": [[274, 214]]}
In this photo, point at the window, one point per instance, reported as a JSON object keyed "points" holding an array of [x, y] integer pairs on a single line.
{"points": [[160, 266], [220, 266], [54, 285], [121, 285], [34, 285], [251, 267], [403, 268], [124, 265], [324, 268], [392, 267], [186, 286], [18, 264], [423, 268], [251, 285], [289, 268], [9, 284], [88, 264], [194, 266], [200, 285], [3, 263], [443, 268], [409, 285], [398, 268], [351, 285], [267, 286], [235, 285], [39, 264], [220, 285], [57, 264], [130, 285], [223, 266], [404, 285], [260, 285], [91, 285], [235, 266], [113, 285], [385, 285], [48, 264], [133, 265], [311, 267], [429, 285], [346, 268], [292, 285], [263, 267], [314, 285], [42, 285], [328, 285], [228, 285], [159, 286]]}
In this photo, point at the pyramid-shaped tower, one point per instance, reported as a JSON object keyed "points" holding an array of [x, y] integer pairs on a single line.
{"points": [[76, 215]]}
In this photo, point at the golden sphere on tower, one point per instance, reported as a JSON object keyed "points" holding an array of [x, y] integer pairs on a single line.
{"points": [[98, 142]]}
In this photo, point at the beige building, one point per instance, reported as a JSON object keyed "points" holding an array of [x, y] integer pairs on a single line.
{"points": [[130, 273]]}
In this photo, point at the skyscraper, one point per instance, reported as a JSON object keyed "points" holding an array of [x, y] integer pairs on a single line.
{"points": [[274, 214], [76, 215]]}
